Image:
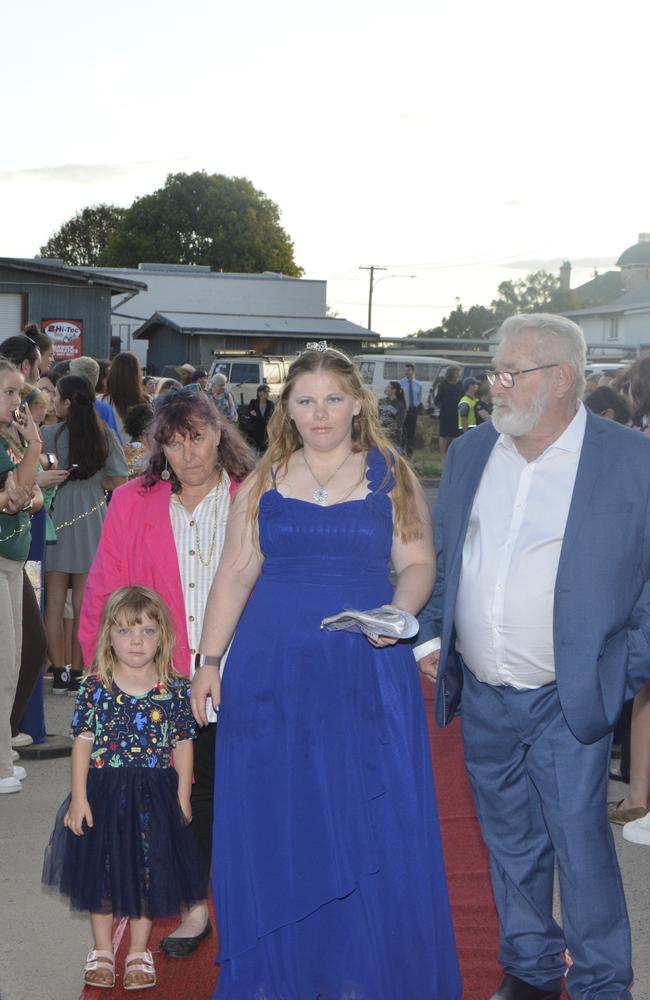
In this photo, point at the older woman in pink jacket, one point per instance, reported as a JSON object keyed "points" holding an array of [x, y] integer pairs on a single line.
{"points": [[165, 530]]}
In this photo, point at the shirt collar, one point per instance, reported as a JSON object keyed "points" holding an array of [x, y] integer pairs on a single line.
{"points": [[175, 499], [570, 439]]}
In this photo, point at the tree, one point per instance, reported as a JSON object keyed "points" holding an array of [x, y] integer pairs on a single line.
{"points": [[536, 292], [472, 324], [83, 238], [202, 218], [539, 291]]}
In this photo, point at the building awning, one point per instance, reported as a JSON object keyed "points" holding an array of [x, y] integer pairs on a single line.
{"points": [[234, 325], [44, 268]]}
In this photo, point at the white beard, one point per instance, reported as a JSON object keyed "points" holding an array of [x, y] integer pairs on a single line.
{"points": [[517, 422]]}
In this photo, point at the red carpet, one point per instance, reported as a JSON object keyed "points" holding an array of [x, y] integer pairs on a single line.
{"points": [[475, 917], [474, 913]]}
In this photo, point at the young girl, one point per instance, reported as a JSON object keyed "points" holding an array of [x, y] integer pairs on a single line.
{"points": [[122, 844]]}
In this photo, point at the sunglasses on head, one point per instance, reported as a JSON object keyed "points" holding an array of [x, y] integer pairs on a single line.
{"points": [[166, 397]]}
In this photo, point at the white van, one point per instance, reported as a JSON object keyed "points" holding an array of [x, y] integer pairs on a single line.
{"points": [[379, 369], [245, 373]]}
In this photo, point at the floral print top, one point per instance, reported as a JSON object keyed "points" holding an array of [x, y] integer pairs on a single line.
{"points": [[133, 730]]}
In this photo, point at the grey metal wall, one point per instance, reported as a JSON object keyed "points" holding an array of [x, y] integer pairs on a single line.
{"points": [[55, 298], [167, 347]]}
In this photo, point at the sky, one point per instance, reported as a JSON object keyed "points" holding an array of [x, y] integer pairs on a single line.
{"points": [[456, 143]]}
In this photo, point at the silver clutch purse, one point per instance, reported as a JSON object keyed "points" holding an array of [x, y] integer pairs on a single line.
{"points": [[378, 621]]}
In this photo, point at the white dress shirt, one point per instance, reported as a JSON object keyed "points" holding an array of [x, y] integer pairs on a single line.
{"points": [[196, 579], [504, 606]]}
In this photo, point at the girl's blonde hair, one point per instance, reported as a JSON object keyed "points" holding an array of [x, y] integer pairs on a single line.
{"points": [[367, 433], [126, 607], [33, 395]]}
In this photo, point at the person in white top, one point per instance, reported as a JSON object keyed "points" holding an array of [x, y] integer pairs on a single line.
{"points": [[540, 623]]}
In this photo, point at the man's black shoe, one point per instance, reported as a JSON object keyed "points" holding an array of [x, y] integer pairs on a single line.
{"points": [[516, 989], [181, 947]]}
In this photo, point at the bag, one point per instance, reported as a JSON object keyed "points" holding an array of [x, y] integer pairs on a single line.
{"points": [[386, 620]]}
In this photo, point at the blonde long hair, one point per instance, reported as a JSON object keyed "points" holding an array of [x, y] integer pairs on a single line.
{"points": [[126, 607], [367, 433]]}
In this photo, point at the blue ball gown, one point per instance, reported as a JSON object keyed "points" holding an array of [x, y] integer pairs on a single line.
{"points": [[328, 872]]}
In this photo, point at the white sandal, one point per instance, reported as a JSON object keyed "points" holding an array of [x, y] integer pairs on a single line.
{"points": [[139, 962], [100, 961]]}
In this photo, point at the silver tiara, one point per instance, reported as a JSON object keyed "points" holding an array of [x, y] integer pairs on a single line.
{"points": [[317, 345]]}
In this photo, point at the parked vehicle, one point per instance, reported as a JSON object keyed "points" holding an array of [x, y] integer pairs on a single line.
{"points": [[379, 369], [245, 373]]}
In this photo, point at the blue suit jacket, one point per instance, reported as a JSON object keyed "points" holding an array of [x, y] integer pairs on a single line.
{"points": [[601, 621]]}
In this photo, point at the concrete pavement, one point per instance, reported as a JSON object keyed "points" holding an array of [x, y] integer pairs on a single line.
{"points": [[43, 946]]}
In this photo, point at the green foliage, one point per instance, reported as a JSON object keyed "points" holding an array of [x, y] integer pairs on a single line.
{"points": [[461, 324], [202, 218], [82, 239], [538, 292]]}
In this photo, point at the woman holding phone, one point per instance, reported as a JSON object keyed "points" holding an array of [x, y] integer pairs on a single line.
{"points": [[95, 460], [20, 448]]}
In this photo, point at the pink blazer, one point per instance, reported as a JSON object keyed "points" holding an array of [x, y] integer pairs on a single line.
{"points": [[137, 547]]}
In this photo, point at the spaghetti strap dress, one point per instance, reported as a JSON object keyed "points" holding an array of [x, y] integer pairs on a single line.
{"points": [[328, 872]]}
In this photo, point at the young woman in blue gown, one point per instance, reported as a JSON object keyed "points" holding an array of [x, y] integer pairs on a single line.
{"points": [[328, 871]]}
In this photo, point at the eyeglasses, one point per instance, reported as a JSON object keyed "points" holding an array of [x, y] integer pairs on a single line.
{"points": [[507, 379], [166, 397]]}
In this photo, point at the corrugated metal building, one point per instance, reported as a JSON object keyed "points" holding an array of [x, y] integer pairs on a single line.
{"points": [[197, 337], [39, 291], [189, 311]]}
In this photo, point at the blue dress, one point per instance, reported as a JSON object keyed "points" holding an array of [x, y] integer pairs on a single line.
{"points": [[327, 865], [140, 856]]}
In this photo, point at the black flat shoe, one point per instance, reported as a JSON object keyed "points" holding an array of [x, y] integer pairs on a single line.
{"points": [[516, 989], [181, 947]]}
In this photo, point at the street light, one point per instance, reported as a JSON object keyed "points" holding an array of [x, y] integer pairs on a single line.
{"points": [[372, 268]]}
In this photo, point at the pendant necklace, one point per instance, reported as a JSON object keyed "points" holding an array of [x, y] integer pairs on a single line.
{"points": [[206, 560], [320, 495]]}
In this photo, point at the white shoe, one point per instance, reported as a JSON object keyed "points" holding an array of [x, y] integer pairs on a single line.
{"points": [[21, 740], [638, 831], [20, 773], [8, 785], [15, 755]]}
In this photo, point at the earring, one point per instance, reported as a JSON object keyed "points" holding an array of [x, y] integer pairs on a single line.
{"points": [[166, 474]]}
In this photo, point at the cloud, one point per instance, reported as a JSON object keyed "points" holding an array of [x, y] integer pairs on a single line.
{"points": [[83, 173], [553, 263]]}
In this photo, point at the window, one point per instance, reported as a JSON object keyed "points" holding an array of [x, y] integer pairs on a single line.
{"points": [[242, 372], [224, 368], [272, 373], [366, 370], [612, 328], [424, 371]]}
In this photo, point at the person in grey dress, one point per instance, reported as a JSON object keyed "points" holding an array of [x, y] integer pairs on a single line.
{"points": [[83, 444]]}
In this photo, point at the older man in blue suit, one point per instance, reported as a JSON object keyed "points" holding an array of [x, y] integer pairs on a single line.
{"points": [[539, 625]]}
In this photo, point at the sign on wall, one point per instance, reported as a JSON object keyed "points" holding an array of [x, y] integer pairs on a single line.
{"points": [[67, 337]]}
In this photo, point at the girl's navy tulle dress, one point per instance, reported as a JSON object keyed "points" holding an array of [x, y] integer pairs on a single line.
{"points": [[139, 859], [328, 871]]}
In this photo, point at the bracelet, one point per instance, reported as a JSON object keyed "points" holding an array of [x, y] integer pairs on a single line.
{"points": [[201, 660]]}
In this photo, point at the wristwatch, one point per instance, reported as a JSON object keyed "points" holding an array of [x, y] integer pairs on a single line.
{"points": [[201, 660]]}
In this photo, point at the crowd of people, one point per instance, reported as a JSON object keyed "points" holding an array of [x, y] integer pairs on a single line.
{"points": [[190, 552]]}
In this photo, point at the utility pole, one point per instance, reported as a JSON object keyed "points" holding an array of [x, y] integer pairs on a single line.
{"points": [[372, 268]]}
